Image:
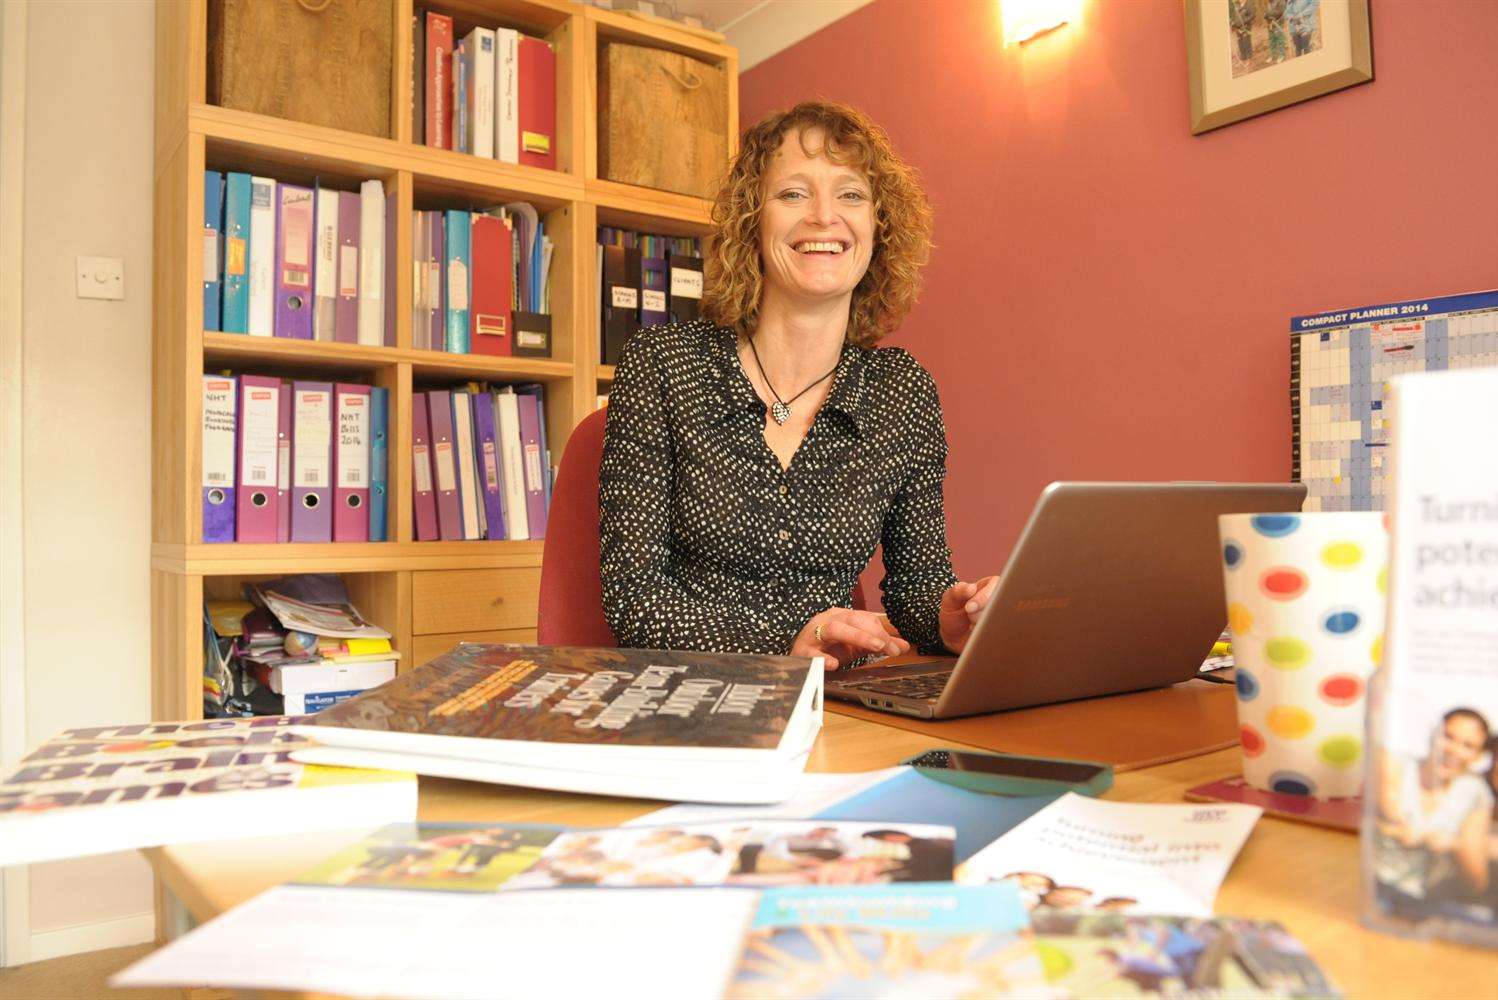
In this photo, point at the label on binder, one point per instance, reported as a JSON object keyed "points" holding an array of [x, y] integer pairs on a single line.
{"points": [[442, 456], [491, 468], [457, 285], [312, 438], [535, 142], [434, 285], [218, 433], [533, 464], [686, 284], [348, 272], [258, 451], [423, 470], [234, 255], [654, 300], [353, 448], [210, 254], [624, 297]]}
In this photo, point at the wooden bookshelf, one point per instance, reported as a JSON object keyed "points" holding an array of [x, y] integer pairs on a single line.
{"points": [[429, 594]]}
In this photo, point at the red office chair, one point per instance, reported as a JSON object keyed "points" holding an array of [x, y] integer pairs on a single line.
{"points": [[571, 595]]}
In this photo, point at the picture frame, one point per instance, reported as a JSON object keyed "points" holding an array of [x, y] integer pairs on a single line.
{"points": [[1248, 57]]}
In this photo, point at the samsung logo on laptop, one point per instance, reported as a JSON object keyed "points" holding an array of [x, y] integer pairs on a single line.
{"points": [[1043, 604]]}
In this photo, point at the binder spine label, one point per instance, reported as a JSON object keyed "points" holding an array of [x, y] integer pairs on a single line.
{"points": [[258, 459], [686, 284], [624, 297], [654, 300], [312, 439], [491, 468], [423, 468], [348, 272], [218, 434], [353, 441], [442, 456]]}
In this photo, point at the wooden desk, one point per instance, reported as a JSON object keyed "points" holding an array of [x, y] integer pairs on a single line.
{"points": [[1305, 877]]}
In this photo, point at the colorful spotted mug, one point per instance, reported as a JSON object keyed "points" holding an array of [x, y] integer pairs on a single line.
{"points": [[1306, 595]]}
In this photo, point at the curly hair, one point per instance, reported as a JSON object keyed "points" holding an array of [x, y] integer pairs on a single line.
{"points": [[734, 276]]}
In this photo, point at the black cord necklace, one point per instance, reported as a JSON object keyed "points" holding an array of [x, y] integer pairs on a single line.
{"points": [[781, 408]]}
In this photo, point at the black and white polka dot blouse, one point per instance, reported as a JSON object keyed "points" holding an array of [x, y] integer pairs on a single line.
{"points": [[707, 543]]}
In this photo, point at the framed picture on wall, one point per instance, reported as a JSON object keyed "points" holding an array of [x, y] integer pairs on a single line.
{"points": [[1246, 57]]}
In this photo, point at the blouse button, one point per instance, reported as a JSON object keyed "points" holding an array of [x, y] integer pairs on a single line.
{"points": [[784, 489], [785, 536]]}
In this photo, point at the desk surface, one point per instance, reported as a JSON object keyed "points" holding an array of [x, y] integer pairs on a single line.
{"points": [[1305, 877]]}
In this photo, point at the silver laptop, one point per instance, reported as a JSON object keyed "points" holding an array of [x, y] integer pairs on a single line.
{"points": [[1112, 587]]}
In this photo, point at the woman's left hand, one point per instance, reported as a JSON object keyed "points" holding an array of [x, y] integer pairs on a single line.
{"points": [[961, 606]]}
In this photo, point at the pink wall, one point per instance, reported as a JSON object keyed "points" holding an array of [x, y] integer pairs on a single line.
{"points": [[1110, 296]]}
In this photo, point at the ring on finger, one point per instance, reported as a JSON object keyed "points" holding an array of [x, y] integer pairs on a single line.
{"points": [[817, 632]]}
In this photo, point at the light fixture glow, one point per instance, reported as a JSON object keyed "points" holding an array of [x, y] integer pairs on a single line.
{"points": [[1024, 19]]}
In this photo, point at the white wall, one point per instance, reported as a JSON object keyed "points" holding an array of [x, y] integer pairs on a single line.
{"points": [[86, 481]]}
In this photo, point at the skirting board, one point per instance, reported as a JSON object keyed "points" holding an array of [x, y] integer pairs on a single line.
{"points": [[138, 928]]}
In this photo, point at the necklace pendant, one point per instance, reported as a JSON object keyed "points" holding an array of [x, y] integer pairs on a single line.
{"points": [[780, 412]]}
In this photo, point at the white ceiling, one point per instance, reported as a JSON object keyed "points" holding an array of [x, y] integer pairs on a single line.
{"points": [[761, 28]]}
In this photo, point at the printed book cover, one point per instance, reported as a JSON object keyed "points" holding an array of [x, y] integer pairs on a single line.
{"points": [[113, 788], [497, 699]]}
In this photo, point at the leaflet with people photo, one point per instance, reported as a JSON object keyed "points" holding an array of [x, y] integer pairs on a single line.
{"points": [[1117, 857], [365, 917], [1430, 835]]}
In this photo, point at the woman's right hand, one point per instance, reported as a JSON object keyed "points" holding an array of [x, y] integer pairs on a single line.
{"points": [[842, 635]]}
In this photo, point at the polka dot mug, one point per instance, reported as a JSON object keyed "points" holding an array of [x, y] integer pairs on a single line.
{"points": [[1306, 595]]}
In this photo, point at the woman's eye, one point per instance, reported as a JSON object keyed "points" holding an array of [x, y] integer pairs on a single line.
{"points": [[854, 196], [792, 195]]}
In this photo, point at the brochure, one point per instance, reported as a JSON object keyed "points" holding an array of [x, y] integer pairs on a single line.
{"points": [[1430, 828], [1117, 857], [1111, 955], [433, 909]]}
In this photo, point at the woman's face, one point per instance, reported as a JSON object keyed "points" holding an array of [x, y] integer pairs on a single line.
{"points": [[1459, 743], [816, 229]]}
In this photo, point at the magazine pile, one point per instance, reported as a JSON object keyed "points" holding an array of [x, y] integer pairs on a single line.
{"points": [[681, 726], [692, 901], [113, 788]]}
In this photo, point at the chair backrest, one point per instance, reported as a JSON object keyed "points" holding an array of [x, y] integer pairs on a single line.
{"points": [[570, 603], [571, 597]]}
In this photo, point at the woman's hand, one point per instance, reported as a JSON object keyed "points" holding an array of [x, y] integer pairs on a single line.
{"points": [[961, 606], [842, 635]]}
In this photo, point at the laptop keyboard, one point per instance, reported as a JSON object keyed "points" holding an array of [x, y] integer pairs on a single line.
{"points": [[922, 687]]}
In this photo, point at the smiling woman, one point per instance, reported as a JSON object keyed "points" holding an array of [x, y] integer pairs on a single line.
{"points": [[754, 459]]}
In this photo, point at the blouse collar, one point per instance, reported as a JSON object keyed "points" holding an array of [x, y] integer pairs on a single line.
{"points": [[846, 396]]}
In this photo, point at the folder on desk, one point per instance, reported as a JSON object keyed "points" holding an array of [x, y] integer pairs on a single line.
{"points": [[262, 248], [219, 399], [351, 463], [493, 280], [486, 448], [213, 257], [235, 314], [257, 507], [423, 500], [685, 303], [512, 459], [538, 104], [283, 466], [458, 258], [444, 465], [468, 491], [312, 462], [621, 299], [346, 319], [325, 272], [379, 454], [372, 264], [294, 263]]}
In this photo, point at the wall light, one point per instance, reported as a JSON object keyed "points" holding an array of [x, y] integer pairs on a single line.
{"points": [[1024, 19]]}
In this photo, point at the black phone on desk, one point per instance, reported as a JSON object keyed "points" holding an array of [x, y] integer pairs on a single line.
{"points": [[1013, 774]]}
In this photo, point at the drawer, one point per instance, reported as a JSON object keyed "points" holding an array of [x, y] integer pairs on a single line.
{"points": [[425, 648], [474, 600]]}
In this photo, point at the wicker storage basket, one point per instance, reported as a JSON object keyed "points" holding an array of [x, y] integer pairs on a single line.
{"points": [[662, 120]]}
